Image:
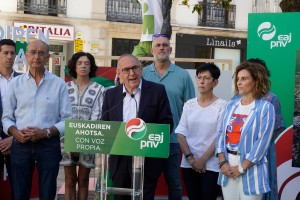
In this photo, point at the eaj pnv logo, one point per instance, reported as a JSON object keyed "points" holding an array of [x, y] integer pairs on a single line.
{"points": [[267, 32], [136, 128]]}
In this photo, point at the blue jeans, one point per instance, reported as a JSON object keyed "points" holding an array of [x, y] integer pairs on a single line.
{"points": [[171, 173], [45, 155]]}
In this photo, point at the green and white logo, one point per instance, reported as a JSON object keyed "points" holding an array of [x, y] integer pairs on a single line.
{"points": [[266, 31], [136, 128]]}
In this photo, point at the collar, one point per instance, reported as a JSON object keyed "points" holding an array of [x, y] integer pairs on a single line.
{"points": [[136, 90], [11, 76], [171, 68], [45, 76], [257, 102]]}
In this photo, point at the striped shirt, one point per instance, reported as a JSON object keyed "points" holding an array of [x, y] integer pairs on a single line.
{"points": [[253, 146]]}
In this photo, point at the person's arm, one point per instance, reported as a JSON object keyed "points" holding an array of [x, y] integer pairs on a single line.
{"points": [[8, 116], [38, 134], [185, 149], [266, 123], [65, 111], [279, 122], [200, 162]]}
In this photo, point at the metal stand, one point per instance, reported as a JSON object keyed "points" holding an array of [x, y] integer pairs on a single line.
{"points": [[102, 189]]}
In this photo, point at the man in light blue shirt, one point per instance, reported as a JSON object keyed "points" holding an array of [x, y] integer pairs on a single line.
{"points": [[180, 88], [37, 103]]}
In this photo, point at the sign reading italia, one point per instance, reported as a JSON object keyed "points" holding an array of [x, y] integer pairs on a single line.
{"points": [[133, 138], [56, 32]]}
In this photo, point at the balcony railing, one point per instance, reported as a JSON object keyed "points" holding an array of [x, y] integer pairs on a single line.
{"points": [[43, 7], [214, 15], [124, 11]]}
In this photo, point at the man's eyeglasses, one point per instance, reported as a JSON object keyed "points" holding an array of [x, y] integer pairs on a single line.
{"points": [[160, 35], [134, 68], [204, 78], [39, 53]]}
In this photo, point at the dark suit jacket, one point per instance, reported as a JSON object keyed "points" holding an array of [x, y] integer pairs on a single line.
{"points": [[3, 135], [154, 108]]}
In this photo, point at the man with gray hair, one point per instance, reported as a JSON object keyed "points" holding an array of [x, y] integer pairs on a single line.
{"points": [[37, 103], [135, 98]]}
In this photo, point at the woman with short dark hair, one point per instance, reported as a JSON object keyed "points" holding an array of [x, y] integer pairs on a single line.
{"points": [[196, 133]]}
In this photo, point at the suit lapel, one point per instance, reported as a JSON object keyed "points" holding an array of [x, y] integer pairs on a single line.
{"points": [[1, 111], [144, 100], [119, 109]]}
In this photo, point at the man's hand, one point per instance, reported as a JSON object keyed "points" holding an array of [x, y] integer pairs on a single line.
{"points": [[20, 136], [35, 133], [5, 145]]}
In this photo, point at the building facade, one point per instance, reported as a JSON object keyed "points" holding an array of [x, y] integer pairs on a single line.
{"points": [[113, 27]]}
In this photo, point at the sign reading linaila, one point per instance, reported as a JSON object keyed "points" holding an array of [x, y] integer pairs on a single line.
{"points": [[133, 138], [56, 32]]}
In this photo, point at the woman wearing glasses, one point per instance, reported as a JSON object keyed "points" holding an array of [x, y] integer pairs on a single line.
{"points": [[86, 99], [197, 131], [244, 136]]}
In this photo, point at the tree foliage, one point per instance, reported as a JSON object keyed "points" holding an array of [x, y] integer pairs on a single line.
{"points": [[198, 8], [290, 5]]}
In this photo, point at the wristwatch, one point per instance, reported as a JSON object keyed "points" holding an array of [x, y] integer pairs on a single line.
{"points": [[49, 135], [188, 155]]}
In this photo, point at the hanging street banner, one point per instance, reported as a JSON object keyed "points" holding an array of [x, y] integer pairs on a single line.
{"points": [[132, 138]]}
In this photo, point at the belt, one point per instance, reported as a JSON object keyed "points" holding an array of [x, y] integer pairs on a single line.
{"points": [[232, 152]]}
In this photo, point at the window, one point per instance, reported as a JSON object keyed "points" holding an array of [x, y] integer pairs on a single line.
{"points": [[43, 7], [121, 46]]}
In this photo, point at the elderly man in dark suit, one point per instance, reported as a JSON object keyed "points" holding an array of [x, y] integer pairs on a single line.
{"points": [[136, 97], [7, 58]]}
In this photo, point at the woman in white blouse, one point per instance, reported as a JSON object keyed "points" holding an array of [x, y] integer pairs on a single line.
{"points": [[196, 132]]}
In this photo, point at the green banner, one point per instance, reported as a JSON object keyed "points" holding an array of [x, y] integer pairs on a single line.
{"points": [[274, 37], [133, 138]]}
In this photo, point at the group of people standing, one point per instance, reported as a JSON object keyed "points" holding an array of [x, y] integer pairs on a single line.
{"points": [[224, 145]]}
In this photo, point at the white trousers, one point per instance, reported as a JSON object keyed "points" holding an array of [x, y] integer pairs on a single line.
{"points": [[234, 188]]}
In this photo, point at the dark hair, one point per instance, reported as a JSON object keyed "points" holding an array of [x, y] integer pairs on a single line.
{"points": [[7, 42], [72, 64], [212, 68], [260, 76], [261, 62]]}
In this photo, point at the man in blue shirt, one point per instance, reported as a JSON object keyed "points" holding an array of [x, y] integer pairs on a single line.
{"points": [[37, 103], [180, 88]]}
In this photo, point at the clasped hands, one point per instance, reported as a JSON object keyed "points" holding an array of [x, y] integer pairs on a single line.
{"points": [[30, 133], [198, 165], [230, 171]]}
